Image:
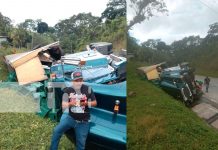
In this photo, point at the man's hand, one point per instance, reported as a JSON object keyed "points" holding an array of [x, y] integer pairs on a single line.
{"points": [[65, 105], [72, 103], [85, 103]]}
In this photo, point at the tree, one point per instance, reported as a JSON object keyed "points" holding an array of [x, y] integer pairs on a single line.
{"points": [[29, 24], [19, 37], [212, 34], [67, 44], [213, 31], [186, 43], [76, 24], [51, 29], [79, 29], [162, 46], [5, 44], [42, 27], [41, 39], [145, 9], [5, 25], [151, 43], [115, 8]]}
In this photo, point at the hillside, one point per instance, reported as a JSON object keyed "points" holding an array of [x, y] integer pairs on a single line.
{"points": [[157, 121]]}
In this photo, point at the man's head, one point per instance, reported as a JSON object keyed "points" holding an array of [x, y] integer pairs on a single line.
{"points": [[77, 79]]}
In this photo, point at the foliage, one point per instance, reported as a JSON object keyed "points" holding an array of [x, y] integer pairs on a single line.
{"points": [[115, 8], [213, 31], [5, 44], [42, 27], [42, 39], [5, 25], [79, 30], [19, 37], [29, 24], [145, 9]]}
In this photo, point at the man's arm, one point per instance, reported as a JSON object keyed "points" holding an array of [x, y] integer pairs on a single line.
{"points": [[91, 103], [65, 102]]}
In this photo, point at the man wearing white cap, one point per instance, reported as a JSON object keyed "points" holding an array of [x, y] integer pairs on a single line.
{"points": [[76, 102]]}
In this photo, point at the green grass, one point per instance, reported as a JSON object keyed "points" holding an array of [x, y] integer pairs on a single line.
{"points": [[207, 72], [13, 101], [157, 121], [24, 131]]}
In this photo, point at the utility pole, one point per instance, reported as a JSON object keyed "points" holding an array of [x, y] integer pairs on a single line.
{"points": [[32, 41]]}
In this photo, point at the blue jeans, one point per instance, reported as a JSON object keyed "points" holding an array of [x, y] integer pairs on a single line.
{"points": [[67, 122]]}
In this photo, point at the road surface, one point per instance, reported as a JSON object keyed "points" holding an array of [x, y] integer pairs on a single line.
{"points": [[207, 107], [213, 88]]}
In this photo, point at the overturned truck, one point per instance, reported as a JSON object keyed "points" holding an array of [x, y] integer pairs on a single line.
{"points": [[47, 70], [178, 81]]}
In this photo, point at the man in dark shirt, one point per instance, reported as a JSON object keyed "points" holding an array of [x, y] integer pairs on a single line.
{"points": [[207, 83], [75, 104]]}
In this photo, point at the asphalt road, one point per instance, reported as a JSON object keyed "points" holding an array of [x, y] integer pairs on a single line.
{"points": [[213, 88], [207, 107]]}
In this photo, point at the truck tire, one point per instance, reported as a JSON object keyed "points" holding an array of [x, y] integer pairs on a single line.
{"points": [[187, 95]]}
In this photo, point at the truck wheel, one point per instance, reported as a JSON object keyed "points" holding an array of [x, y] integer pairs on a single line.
{"points": [[187, 96]]}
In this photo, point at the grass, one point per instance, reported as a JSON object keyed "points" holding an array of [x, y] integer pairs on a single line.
{"points": [[27, 131], [157, 121], [206, 65], [24, 131], [12, 101], [207, 72]]}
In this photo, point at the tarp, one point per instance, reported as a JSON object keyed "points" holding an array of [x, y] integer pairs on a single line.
{"points": [[118, 89]]}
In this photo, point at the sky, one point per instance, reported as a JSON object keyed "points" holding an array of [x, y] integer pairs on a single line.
{"points": [[50, 11], [185, 18]]}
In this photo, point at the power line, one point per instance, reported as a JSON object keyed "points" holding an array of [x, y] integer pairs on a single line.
{"points": [[205, 4]]}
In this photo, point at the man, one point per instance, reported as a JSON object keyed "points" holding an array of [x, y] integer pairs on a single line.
{"points": [[75, 103], [207, 83]]}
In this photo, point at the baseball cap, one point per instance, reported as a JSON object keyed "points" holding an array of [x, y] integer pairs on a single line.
{"points": [[76, 75]]}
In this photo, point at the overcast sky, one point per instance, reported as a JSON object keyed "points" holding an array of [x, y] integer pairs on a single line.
{"points": [[50, 11], [185, 17]]}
